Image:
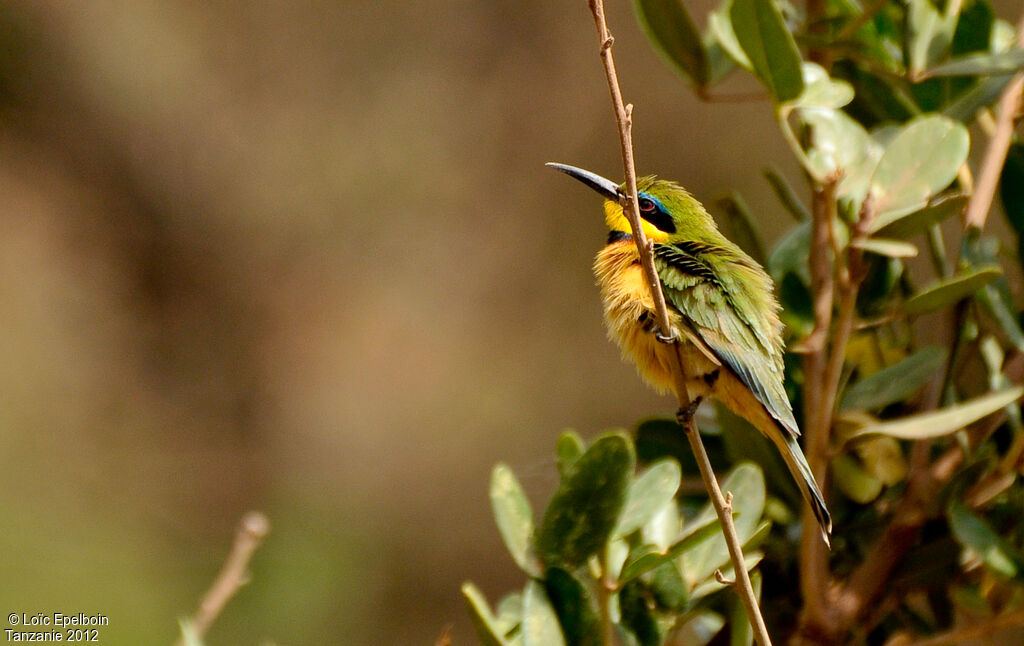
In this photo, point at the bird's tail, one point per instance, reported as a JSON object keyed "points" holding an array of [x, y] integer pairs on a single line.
{"points": [[801, 471]]}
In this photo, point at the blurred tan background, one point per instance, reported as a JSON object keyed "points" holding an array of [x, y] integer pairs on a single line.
{"points": [[305, 258]]}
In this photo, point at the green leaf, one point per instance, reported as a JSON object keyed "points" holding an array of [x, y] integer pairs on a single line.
{"points": [[769, 46], [740, 631], [856, 483], [973, 29], [576, 609], [648, 495], [840, 143], [669, 26], [510, 612], [720, 29], [822, 91], [746, 482], [647, 557], [540, 623], [1009, 62], [883, 458], [973, 532], [637, 615], [711, 584], [514, 517], [897, 382], [982, 95], [568, 449], [950, 291], [996, 303], [787, 196], [790, 254], [886, 247], [488, 629], [921, 160], [929, 36], [892, 225], [742, 228], [700, 628], [587, 503], [668, 587], [944, 421]]}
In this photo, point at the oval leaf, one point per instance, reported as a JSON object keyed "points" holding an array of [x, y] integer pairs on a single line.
{"points": [[950, 291], [982, 95], [973, 532], [885, 247], [700, 628], [929, 34], [892, 225], [750, 561], [896, 382], [822, 91], [568, 449], [575, 607], [840, 143], [514, 517], [488, 629], [647, 557], [1009, 62], [648, 495], [587, 503], [669, 26], [540, 623], [921, 160], [742, 227], [720, 29], [769, 46], [740, 631], [856, 484], [945, 421], [746, 482]]}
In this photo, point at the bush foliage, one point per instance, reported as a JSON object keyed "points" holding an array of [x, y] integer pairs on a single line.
{"points": [[906, 359]]}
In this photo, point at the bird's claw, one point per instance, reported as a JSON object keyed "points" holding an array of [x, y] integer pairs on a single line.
{"points": [[648, 322], [685, 415]]}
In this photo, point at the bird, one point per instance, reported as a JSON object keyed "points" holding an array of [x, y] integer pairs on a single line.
{"points": [[722, 311]]}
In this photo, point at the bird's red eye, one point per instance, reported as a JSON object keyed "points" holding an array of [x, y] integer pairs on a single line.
{"points": [[646, 205]]}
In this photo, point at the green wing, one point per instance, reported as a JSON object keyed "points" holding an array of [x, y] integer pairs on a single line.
{"points": [[727, 300]]}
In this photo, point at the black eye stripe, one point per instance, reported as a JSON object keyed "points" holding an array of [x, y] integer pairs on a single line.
{"points": [[651, 211]]}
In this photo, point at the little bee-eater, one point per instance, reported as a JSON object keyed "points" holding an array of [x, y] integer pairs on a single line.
{"points": [[722, 310]]}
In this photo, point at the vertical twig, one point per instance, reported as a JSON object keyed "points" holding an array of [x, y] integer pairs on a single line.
{"points": [[251, 532], [623, 115], [813, 557], [995, 154]]}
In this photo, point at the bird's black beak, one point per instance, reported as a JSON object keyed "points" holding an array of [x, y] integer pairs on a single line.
{"points": [[605, 187]]}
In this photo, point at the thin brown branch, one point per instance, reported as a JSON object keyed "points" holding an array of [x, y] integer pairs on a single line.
{"points": [[623, 116], [813, 556], [251, 532], [995, 154]]}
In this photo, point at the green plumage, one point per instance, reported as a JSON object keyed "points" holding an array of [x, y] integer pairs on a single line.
{"points": [[723, 311]]}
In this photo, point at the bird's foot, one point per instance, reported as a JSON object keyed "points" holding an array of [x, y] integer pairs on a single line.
{"points": [[649, 324], [685, 415]]}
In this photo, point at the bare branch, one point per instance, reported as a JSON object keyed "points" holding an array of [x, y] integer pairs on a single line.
{"points": [[251, 532], [995, 154]]}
